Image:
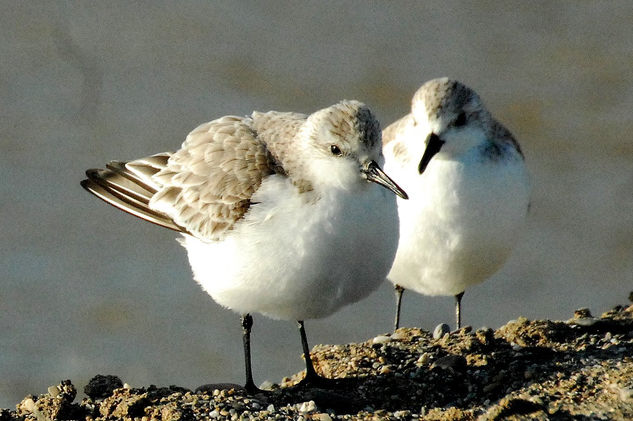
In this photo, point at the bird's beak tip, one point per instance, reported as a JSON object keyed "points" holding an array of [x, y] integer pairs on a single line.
{"points": [[375, 174], [433, 146]]}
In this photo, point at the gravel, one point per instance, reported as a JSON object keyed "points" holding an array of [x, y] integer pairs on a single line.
{"points": [[581, 368]]}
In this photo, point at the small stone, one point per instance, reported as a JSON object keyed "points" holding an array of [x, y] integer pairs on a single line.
{"points": [[398, 335], [423, 359], [100, 387], [485, 335], [381, 339], [322, 417], [626, 394], [441, 330], [466, 329], [26, 406], [582, 313], [308, 406], [53, 391], [585, 321], [385, 369], [266, 385], [452, 362]]}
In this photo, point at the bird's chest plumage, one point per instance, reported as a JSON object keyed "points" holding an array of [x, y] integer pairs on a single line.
{"points": [[301, 257], [462, 219]]}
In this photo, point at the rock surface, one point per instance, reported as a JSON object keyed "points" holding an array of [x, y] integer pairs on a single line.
{"points": [[544, 370]]}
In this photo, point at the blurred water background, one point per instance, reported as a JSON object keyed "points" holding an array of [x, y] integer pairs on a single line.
{"points": [[86, 289]]}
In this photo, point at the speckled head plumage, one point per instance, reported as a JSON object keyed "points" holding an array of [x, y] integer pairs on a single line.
{"points": [[455, 116], [350, 122], [346, 148], [442, 100]]}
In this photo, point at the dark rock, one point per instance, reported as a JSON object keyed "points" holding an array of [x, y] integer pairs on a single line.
{"points": [[100, 387]]}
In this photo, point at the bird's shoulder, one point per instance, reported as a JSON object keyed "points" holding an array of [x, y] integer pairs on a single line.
{"points": [[208, 183], [394, 138], [396, 129], [502, 138]]}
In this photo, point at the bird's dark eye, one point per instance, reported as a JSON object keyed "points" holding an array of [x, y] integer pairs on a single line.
{"points": [[460, 120], [336, 150]]}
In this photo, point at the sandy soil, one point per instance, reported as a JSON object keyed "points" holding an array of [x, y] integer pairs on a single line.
{"points": [[581, 368]]}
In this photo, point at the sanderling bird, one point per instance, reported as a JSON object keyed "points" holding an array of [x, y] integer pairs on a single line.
{"points": [[468, 187], [280, 213]]}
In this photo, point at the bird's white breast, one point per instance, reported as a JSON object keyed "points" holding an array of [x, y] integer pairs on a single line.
{"points": [[295, 256], [461, 221]]}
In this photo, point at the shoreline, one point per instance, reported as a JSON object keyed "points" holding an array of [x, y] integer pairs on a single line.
{"points": [[541, 369]]}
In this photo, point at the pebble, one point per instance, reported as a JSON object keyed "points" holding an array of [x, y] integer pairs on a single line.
{"points": [[29, 405], [582, 313], [423, 359], [385, 369], [100, 386], [453, 362], [585, 321], [266, 385], [402, 414], [308, 406], [381, 339], [441, 330], [398, 336], [626, 394]]}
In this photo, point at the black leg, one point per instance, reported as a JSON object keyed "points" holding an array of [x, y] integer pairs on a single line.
{"points": [[247, 324], [458, 309], [399, 290], [311, 378], [310, 372]]}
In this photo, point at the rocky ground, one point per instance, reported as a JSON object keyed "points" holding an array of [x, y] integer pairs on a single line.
{"points": [[581, 369]]}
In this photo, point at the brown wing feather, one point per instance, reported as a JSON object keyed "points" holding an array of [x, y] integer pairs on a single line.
{"points": [[205, 187]]}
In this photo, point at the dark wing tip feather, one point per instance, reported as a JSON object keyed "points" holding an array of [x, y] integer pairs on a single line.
{"points": [[124, 199]]}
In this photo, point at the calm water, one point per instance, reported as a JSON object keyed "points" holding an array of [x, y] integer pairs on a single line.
{"points": [[86, 289]]}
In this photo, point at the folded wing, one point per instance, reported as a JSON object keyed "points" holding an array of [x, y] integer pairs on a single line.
{"points": [[203, 189]]}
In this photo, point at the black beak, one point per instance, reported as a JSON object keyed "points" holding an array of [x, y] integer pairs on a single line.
{"points": [[433, 146], [374, 173]]}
